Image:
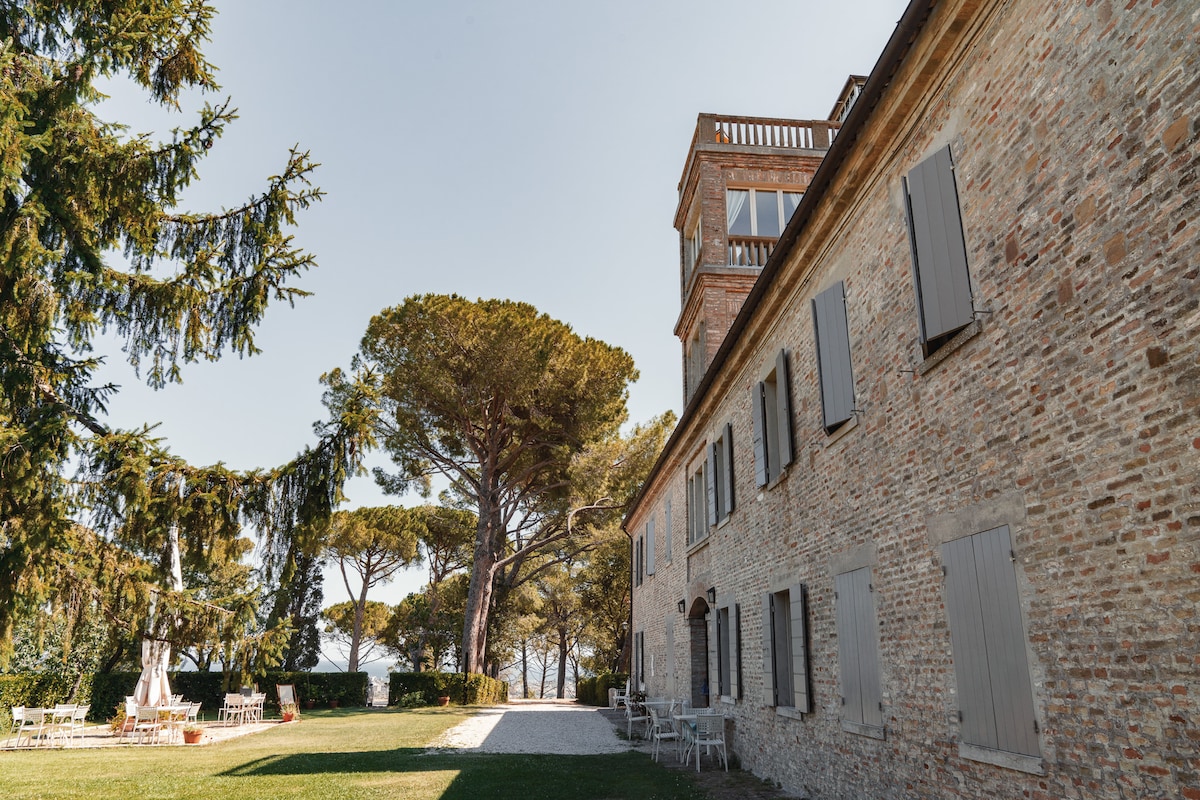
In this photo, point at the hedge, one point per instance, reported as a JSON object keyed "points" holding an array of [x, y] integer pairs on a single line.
{"points": [[105, 691], [594, 691], [464, 689]]}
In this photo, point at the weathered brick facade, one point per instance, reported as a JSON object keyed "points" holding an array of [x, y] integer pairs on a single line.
{"points": [[1067, 411]]}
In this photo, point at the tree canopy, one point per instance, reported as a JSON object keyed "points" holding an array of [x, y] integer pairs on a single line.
{"points": [[92, 239], [496, 398]]}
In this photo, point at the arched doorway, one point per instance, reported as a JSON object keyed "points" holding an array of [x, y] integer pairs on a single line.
{"points": [[697, 621]]}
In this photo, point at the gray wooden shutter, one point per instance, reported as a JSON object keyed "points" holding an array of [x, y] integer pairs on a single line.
{"points": [[710, 480], [943, 284], [783, 400], [858, 648], [650, 546], [667, 535], [735, 652], [727, 445], [768, 671], [799, 637], [757, 414], [988, 640], [833, 355], [847, 635], [669, 625]]}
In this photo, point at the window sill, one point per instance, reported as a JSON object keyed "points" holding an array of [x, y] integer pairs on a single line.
{"points": [[999, 758], [789, 712], [847, 426], [696, 546], [871, 731], [942, 353], [727, 700]]}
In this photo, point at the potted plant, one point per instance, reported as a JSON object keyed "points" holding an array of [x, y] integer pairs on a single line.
{"points": [[333, 703], [193, 734], [289, 711], [444, 700]]}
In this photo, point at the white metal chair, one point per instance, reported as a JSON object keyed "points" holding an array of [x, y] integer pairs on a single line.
{"points": [[622, 697], [147, 724], [78, 721], [634, 712], [234, 709], [710, 732], [57, 724], [33, 725], [662, 730]]}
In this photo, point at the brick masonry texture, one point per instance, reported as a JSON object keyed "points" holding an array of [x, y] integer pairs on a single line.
{"points": [[1071, 409]]}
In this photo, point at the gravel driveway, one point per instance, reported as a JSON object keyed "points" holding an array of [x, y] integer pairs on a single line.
{"points": [[535, 726]]}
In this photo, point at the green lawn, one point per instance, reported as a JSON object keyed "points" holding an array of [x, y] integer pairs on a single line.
{"points": [[335, 754]]}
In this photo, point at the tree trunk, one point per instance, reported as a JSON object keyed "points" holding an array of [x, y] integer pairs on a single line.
{"points": [[562, 662], [360, 607], [525, 668], [489, 541]]}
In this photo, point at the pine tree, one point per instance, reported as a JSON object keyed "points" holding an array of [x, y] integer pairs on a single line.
{"points": [[92, 239]]}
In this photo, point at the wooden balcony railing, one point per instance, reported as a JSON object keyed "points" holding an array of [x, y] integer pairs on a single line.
{"points": [[750, 251]]}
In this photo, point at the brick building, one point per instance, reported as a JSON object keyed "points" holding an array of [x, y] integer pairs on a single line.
{"points": [[929, 525]]}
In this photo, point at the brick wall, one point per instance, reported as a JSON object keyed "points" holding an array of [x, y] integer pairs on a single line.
{"points": [[1072, 410]]}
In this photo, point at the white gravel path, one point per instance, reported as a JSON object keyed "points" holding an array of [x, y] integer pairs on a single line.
{"points": [[534, 727]]}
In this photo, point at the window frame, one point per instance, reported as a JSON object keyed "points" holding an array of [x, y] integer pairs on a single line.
{"points": [[781, 217], [727, 619], [697, 491], [786, 650], [719, 481]]}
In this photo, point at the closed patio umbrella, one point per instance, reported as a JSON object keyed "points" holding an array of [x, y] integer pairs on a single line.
{"points": [[153, 688]]}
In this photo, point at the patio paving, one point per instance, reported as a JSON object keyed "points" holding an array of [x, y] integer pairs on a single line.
{"points": [[101, 736]]}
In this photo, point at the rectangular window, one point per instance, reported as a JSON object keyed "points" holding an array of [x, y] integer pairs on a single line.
{"points": [[693, 249], [939, 251], [785, 649], [832, 333], [667, 535], [637, 562], [858, 653], [771, 412], [754, 219], [728, 652], [650, 546], [698, 509], [995, 693], [695, 360], [720, 476]]}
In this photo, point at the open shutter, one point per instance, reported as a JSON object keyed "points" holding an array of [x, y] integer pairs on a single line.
{"points": [[968, 644], [833, 355], [650, 546], [669, 626], [727, 446], [768, 671], [798, 619], [710, 480], [735, 652], [667, 534], [783, 400], [943, 284], [868, 650], [757, 414]]}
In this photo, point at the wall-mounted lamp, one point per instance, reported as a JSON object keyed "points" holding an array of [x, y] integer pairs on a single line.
{"points": [[711, 594], [682, 606]]}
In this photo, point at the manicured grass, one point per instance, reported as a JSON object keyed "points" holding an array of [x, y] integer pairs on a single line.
{"points": [[335, 754]]}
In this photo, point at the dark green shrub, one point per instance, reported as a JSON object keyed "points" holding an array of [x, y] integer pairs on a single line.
{"points": [[462, 689], [594, 691]]}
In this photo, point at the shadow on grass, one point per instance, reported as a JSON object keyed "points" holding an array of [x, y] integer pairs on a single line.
{"points": [[496, 776]]}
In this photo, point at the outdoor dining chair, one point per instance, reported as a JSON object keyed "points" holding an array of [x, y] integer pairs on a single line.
{"points": [[147, 724], [234, 708], [78, 721], [662, 730], [622, 697], [634, 712], [33, 725], [710, 733]]}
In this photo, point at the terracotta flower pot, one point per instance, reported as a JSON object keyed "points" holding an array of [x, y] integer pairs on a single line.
{"points": [[193, 737], [288, 716], [444, 700], [333, 703], [309, 703]]}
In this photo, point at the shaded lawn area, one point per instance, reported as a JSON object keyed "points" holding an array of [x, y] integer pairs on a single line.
{"points": [[332, 754]]}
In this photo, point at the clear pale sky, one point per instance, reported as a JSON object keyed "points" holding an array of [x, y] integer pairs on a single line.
{"points": [[528, 150]]}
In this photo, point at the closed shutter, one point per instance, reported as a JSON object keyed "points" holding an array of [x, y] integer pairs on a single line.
{"points": [[783, 401], [650, 546], [988, 639], [669, 625], [833, 355], [727, 476], [799, 637], [858, 648], [722, 652], [768, 627], [939, 248], [710, 480], [757, 415]]}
